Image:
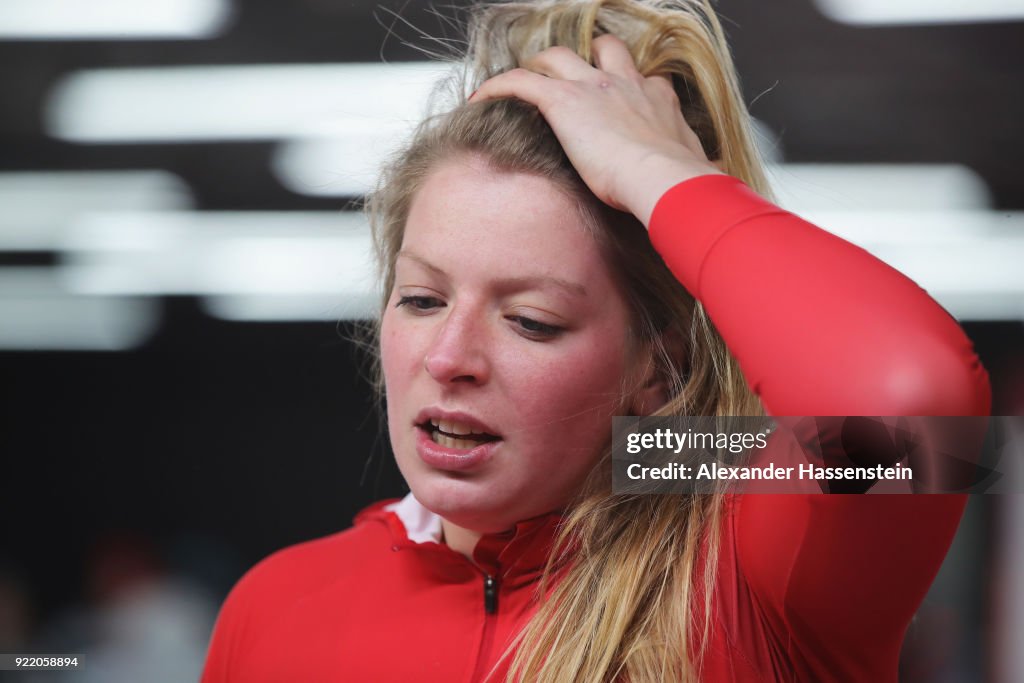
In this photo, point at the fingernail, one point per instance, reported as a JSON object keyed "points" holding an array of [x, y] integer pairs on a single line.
{"points": [[471, 94]]}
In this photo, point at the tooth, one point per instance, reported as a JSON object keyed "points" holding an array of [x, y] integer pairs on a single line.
{"points": [[444, 426], [458, 428], [452, 442], [433, 421]]}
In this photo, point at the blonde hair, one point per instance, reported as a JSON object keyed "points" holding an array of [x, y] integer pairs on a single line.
{"points": [[622, 575]]}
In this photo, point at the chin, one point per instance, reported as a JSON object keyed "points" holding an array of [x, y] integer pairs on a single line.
{"points": [[463, 502]]}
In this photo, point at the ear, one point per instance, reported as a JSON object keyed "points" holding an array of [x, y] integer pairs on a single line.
{"points": [[653, 389], [651, 395]]}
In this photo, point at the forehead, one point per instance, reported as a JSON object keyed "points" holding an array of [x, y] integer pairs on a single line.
{"points": [[476, 219]]}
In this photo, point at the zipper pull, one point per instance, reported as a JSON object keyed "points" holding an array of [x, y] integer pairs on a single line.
{"points": [[490, 594]]}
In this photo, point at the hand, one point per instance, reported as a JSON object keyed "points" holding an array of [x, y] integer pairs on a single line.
{"points": [[624, 133]]}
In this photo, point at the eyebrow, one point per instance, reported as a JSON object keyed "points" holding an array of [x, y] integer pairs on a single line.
{"points": [[517, 283]]}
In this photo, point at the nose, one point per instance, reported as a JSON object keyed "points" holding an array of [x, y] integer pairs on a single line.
{"points": [[457, 352]]}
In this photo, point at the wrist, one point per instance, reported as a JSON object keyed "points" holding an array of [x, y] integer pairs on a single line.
{"points": [[655, 175]]}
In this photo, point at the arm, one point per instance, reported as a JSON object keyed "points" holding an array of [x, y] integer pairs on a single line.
{"points": [[820, 327]]}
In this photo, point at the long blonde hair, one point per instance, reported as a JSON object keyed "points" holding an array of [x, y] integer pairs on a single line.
{"points": [[622, 577]]}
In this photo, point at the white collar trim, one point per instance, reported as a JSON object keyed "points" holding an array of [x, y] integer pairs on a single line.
{"points": [[421, 525]]}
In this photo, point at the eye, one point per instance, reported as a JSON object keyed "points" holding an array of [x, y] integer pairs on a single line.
{"points": [[535, 329], [419, 303]]}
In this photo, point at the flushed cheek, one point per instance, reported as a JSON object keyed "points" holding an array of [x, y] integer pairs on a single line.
{"points": [[397, 364], [575, 396], [398, 350]]}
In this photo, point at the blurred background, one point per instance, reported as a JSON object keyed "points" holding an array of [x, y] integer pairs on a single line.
{"points": [[183, 265]]}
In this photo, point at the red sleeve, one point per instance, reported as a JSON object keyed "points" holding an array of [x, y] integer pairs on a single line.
{"points": [[821, 327]]}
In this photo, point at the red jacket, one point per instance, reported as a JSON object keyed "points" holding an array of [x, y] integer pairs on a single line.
{"points": [[809, 587]]}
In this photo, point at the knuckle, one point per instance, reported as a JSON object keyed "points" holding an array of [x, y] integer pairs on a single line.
{"points": [[556, 50]]}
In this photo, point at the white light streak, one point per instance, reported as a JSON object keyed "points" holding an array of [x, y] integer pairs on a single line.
{"points": [[875, 187], [278, 256], [886, 12], [112, 19], [331, 307], [343, 164], [175, 104], [38, 206], [40, 315]]}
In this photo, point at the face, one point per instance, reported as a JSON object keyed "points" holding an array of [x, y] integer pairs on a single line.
{"points": [[504, 347]]}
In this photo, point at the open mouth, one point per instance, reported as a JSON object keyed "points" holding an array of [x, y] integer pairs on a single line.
{"points": [[452, 434]]}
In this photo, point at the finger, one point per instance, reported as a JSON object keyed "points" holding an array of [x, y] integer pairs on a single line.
{"points": [[611, 55], [521, 83], [662, 85], [561, 62]]}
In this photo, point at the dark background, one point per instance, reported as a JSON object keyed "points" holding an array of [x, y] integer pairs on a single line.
{"points": [[218, 442]]}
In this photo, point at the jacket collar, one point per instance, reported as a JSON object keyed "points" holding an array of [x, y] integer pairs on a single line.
{"points": [[517, 555]]}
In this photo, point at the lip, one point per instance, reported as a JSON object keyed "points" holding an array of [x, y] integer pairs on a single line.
{"points": [[452, 459], [434, 413]]}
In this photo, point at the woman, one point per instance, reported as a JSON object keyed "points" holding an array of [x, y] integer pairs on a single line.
{"points": [[524, 306]]}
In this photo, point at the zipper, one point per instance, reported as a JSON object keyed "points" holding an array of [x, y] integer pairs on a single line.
{"points": [[490, 622], [490, 594]]}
